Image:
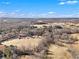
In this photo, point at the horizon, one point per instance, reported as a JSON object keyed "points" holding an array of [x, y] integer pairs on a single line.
{"points": [[39, 8]]}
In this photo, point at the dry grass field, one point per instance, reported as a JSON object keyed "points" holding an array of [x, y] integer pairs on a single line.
{"points": [[58, 52], [25, 43], [55, 51], [56, 41]]}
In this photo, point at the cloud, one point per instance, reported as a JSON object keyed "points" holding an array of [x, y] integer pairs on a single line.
{"points": [[72, 2], [17, 10], [51, 12], [6, 3], [33, 15], [27, 15], [5, 14], [68, 2], [62, 3], [2, 14]]}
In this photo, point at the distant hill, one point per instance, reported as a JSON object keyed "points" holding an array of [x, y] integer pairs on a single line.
{"points": [[43, 19], [39, 18]]}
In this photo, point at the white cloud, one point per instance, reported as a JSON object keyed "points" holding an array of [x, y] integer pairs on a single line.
{"points": [[2, 14], [69, 2], [6, 3], [51, 12], [32, 15], [62, 3], [17, 10], [72, 2]]}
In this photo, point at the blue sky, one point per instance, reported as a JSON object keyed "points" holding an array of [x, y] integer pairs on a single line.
{"points": [[39, 8]]}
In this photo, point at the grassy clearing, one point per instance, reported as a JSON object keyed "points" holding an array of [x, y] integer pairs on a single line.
{"points": [[27, 43]]}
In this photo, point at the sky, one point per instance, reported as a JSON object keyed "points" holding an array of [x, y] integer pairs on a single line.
{"points": [[39, 8]]}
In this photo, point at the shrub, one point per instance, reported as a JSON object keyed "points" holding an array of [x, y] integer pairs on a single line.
{"points": [[7, 53]]}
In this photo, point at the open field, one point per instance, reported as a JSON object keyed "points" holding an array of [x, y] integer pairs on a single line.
{"points": [[40, 38], [25, 43]]}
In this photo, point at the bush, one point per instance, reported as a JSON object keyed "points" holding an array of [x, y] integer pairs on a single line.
{"points": [[7, 53]]}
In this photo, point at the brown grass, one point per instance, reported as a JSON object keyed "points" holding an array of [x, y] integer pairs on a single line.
{"points": [[28, 57], [59, 52], [27, 43]]}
